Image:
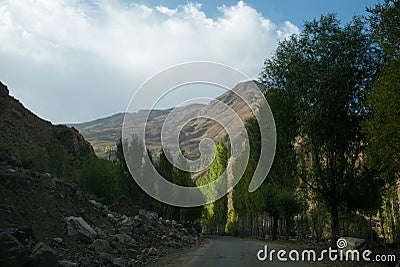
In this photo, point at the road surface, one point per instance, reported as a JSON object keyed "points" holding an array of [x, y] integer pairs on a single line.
{"points": [[232, 252]]}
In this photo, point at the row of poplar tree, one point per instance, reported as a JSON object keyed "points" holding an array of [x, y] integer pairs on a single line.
{"points": [[335, 95]]}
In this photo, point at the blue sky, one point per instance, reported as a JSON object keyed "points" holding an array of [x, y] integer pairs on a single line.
{"points": [[78, 60], [296, 11]]}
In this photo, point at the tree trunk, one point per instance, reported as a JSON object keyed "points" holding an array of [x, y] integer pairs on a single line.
{"points": [[253, 226], [287, 225], [181, 218], [275, 227], [164, 212], [335, 232]]}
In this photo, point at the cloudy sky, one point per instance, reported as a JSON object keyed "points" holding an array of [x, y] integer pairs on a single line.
{"points": [[78, 60]]}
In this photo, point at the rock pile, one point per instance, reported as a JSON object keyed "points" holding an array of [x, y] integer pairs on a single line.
{"points": [[64, 228], [134, 241], [17, 248]]}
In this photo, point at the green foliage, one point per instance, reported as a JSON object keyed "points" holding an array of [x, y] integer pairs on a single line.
{"points": [[96, 176], [184, 178], [383, 125], [105, 180], [325, 72], [99, 177], [52, 158], [384, 21], [244, 202], [142, 168], [282, 177], [232, 222], [214, 214], [277, 196], [35, 159], [390, 213], [166, 169], [320, 217], [126, 183]]}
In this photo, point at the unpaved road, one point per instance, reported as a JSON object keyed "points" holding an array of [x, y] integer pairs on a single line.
{"points": [[232, 252]]}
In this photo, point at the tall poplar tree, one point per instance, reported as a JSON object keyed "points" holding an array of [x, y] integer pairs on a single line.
{"points": [[327, 69]]}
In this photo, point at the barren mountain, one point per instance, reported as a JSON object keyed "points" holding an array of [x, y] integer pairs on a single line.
{"points": [[105, 132]]}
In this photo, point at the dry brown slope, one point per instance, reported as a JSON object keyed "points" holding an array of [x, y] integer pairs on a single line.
{"points": [[22, 131], [106, 131]]}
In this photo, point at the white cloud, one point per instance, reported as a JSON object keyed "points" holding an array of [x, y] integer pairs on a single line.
{"points": [[287, 30], [79, 60], [166, 11]]}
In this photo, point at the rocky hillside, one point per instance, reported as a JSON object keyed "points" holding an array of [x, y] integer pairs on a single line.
{"points": [[23, 132], [46, 221], [105, 132]]}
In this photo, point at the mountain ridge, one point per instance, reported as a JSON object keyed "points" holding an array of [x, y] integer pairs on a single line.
{"points": [[105, 132]]}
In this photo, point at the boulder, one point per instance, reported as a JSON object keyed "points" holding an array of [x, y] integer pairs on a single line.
{"points": [[173, 235], [165, 238], [132, 245], [137, 221], [128, 221], [24, 234], [142, 230], [76, 226], [149, 215], [105, 258], [122, 238], [152, 251], [12, 252], [100, 232], [132, 252], [42, 256], [101, 246], [176, 244], [111, 218], [125, 229]]}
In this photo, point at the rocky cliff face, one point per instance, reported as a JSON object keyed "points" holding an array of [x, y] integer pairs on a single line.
{"points": [[71, 140], [22, 131], [3, 90]]}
